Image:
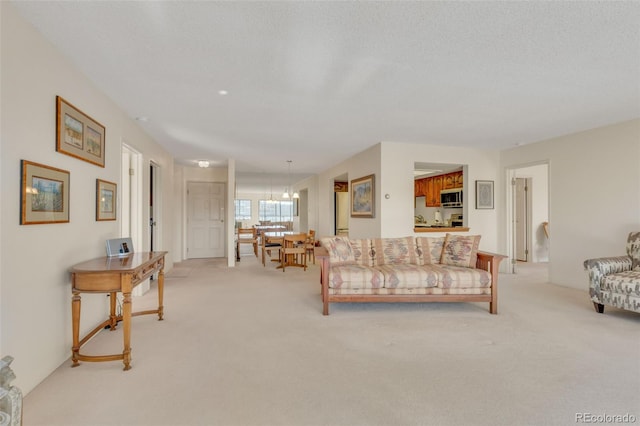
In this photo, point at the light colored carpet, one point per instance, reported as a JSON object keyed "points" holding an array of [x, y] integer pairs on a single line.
{"points": [[178, 272], [249, 346]]}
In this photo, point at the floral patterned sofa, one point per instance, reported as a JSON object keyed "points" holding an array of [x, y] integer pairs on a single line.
{"points": [[409, 269], [615, 281]]}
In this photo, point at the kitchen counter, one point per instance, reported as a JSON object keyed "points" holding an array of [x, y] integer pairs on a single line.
{"points": [[440, 229]]}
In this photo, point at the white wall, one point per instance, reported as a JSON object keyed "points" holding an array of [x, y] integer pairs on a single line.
{"points": [[398, 161], [35, 308], [594, 195], [310, 185], [393, 165], [362, 164]]}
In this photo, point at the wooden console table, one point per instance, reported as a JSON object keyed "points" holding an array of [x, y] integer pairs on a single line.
{"points": [[112, 275]]}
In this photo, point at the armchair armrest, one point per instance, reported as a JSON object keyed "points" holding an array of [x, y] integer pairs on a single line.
{"points": [[601, 267]]}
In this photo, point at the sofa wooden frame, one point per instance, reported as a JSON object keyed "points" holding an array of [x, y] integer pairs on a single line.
{"points": [[487, 261]]}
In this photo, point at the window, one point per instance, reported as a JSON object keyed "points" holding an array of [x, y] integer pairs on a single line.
{"points": [[276, 211], [243, 209]]}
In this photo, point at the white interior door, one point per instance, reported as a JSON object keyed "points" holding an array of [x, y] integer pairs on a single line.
{"points": [[205, 219], [521, 220]]}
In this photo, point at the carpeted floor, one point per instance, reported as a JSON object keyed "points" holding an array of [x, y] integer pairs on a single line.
{"points": [[249, 346]]}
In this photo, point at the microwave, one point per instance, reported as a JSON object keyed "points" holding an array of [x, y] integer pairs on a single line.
{"points": [[451, 197]]}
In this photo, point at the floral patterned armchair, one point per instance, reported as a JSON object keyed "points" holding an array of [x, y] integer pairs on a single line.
{"points": [[615, 281]]}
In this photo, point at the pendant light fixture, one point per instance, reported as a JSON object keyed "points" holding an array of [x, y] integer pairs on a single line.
{"points": [[287, 194]]}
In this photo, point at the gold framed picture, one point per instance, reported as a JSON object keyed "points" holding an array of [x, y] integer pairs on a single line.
{"points": [[79, 135], [44, 194], [363, 199], [106, 197]]}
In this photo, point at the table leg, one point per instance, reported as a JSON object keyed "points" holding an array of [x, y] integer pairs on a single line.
{"points": [[160, 294], [113, 318], [126, 329], [75, 315]]}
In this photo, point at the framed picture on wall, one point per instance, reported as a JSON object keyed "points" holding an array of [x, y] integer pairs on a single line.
{"points": [[44, 194], [363, 197], [106, 196], [484, 194], [79, 135]]}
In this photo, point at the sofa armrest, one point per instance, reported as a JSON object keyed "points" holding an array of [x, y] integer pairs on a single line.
{"points": [[489, 261], [322, 255], [600, 268]]}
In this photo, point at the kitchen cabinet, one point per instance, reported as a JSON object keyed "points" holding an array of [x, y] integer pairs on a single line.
{"points": [[432, 197], [459, 180], [448, 181], [419, 187], [430, 187], [452, 180]]}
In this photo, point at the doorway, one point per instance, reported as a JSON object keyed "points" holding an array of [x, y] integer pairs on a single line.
{"points": [[154, 206], [131, 204], [522, 218], [341, 203], [527, 215], [205, 220], [131, 196]]}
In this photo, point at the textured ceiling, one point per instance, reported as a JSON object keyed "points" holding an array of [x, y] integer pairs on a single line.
{"points": [[316, 82]]}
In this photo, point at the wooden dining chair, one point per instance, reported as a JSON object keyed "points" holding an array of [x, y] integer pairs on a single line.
{"points": [[294, 251], [248, 236], [310, 243], [270, 247]]}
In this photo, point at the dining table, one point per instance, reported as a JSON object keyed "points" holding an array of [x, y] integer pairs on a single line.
{"points": [[261, 229], [273, 237]]}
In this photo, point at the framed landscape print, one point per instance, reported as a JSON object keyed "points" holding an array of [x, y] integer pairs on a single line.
{"points": [[363, 197], [484, 194], [79, 135], [44, 194], [106, 197]]}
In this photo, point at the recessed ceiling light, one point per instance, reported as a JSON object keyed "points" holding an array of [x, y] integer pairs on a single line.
{"points": [[222, 92], [145, 119]]}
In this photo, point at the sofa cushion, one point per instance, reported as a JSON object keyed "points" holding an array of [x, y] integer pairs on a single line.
{"points": [[627, 282], [362, 252], [355, 277], [461, 277], [339, 249], [460, 250], [407, 276], [394, 250], [633, 250], [429, 250]]}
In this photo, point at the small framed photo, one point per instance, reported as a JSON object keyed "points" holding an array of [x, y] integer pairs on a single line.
{"points": [[79, 135], [119, 247], [106, 196], [484, 194], [44, 194], [363, 200]]}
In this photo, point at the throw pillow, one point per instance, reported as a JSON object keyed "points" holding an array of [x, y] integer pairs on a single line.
{"points": [[429, 250], [460, 250], [340, 251], [362, 252], [390, 251]]}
